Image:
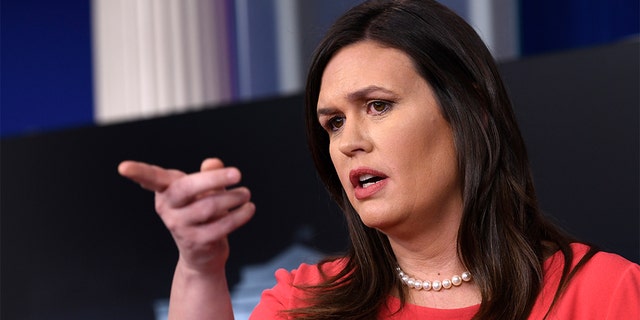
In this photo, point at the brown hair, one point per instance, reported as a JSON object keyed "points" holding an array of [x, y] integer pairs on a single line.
{"points": [[503, 236]]}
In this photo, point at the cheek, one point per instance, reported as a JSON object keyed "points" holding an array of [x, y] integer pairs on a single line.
{"points": [[401, 148], [423, 153]]}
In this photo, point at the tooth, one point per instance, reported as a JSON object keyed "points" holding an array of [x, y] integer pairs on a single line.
{"points": [[365, 177], [364, 185]]}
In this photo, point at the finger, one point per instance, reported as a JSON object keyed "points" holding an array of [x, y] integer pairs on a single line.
{"points": [[210, 208], [211, 164], [191, 187], [218, 229], [236, 218], [149, 176]]}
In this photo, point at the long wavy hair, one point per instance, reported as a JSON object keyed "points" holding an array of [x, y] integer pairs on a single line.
{"points": [[503, 237]]}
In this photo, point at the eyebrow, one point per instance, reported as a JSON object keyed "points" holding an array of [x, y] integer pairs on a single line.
{"points": [[366, 91], [360, 94]]}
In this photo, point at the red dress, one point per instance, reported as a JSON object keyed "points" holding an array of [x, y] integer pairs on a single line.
{"points": [[607, 287]]}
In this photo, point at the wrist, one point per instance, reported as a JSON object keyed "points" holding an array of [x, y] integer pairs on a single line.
{"points": [[198, 293], [200, 272]]}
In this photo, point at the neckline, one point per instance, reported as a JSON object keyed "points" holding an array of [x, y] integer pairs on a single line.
{"points": [[393, 303]]}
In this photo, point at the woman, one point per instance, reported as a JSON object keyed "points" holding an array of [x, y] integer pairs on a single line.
{"points": [[413, 134]]}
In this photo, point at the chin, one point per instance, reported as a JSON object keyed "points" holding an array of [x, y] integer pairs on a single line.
{"points": [[377, 221]]}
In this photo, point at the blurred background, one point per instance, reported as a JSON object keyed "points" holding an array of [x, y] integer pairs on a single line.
{"points": [[86, 84], [78, 62]]}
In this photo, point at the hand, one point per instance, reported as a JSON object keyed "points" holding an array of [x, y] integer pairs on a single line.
{"points": [[197, 209]]}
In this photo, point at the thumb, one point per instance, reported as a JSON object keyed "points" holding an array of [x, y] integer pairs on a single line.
{"points": [[211, 164]]}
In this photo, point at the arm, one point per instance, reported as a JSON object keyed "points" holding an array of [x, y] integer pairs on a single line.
{"points": [[200, 212]]}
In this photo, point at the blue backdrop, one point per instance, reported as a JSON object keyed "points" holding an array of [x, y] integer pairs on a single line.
{"points": [[46, 65], [550, 25]]}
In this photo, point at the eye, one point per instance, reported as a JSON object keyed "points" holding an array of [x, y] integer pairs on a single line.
{"points": [[378, 106], [334, 123]]}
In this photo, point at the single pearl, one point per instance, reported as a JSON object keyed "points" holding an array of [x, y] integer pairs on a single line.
{"points": [[417, 284], [426, 285], [456, 280], [466, 276], [446, 283], [405, 278], [436, 285], [411, 282]]}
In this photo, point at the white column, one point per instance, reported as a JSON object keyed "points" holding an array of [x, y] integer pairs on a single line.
{"points": [[497, 22], [289, 47], [244, 48], [154, 57]]}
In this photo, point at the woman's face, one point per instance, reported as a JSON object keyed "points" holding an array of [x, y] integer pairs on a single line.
{"points": [[391, 147]]}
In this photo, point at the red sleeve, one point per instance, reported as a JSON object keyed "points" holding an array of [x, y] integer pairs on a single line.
{"points": [[284, 295], [276, 299]]}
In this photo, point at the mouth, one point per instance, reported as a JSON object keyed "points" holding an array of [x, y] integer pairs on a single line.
{"points": [[368, 180], [364, 178]]}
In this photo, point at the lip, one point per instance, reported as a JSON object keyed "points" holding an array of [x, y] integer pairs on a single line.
{"points": [[363, 193]]}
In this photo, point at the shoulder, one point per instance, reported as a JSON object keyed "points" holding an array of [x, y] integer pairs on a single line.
{"points": [[605, 287], [608, 274], [606, 263], [604, 268], [600, 264]]}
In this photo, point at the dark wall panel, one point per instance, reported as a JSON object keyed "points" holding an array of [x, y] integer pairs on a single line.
{"points": [[578, 112]]}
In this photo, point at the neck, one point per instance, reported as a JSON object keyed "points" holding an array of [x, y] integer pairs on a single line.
{"points": [[432, 250], [427, 248], [435, 260]]}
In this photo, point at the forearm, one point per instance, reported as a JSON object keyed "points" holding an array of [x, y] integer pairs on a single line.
{"points": [[199, 296]]}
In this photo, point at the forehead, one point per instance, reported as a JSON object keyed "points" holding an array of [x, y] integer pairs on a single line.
{"points": [[366, 64]]}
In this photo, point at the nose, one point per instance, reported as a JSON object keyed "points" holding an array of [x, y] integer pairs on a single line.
{"points": [[354, 138]]}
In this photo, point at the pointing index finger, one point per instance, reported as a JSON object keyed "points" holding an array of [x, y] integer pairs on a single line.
{"points": [[149, 176]]}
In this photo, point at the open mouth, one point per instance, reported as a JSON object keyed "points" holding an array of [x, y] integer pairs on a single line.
{"points": [[364, 178], [367, 180]]}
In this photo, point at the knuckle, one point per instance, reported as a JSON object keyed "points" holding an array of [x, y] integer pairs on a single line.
{"points": [[178, 192], [171, 225], [213, 206], [173, 192], [207, 211]]}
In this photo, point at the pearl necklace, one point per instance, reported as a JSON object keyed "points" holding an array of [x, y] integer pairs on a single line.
{"points": [[436, 285]]}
